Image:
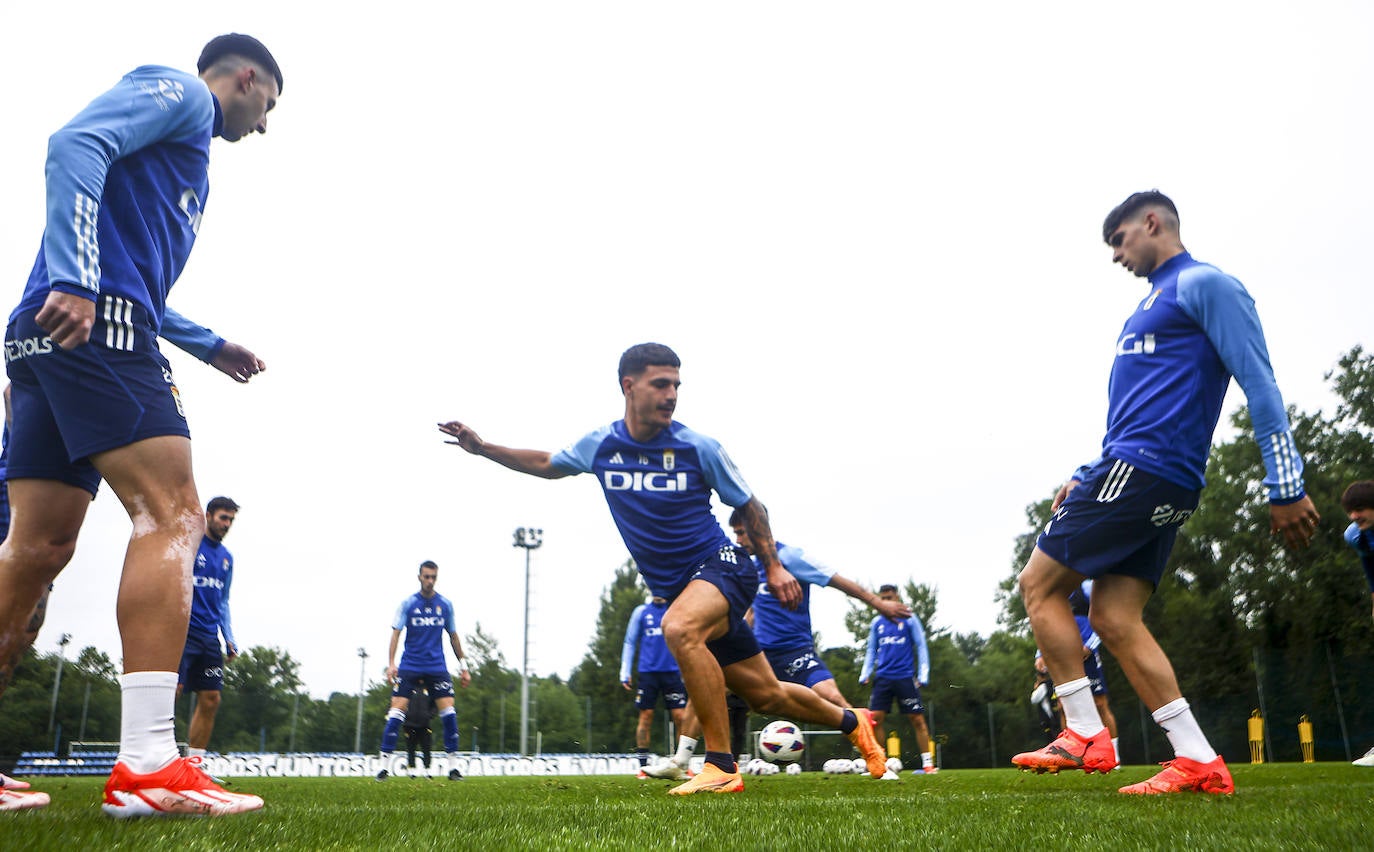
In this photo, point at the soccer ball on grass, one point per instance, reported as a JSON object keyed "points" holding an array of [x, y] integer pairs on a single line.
{"points": [[781, 742]]}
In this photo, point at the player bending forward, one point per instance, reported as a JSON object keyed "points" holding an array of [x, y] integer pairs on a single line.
{"points": [[657, 476]]}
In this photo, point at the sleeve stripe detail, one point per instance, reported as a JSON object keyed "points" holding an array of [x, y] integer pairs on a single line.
{"points": [[84, 221], [1287, 470]]}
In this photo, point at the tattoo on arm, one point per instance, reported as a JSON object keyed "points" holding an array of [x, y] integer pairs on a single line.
{"points": [[760, 533], [40, 613]]}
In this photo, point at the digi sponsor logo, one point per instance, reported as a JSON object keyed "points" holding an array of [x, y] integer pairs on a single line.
{"points": [[427, 621], [1165, 515], [624, 480], [190, 207], [653, 631], [27, 348], [207, 582], [1129, 345], [892, 640]]}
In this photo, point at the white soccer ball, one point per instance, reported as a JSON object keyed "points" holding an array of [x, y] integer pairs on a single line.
{"points": [[841, 766], [794, 769], [859, 767], [894, 764], [756, 767], [781, 742]]}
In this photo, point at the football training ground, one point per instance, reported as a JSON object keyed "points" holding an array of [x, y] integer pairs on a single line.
{"points": [[1276, 806]]}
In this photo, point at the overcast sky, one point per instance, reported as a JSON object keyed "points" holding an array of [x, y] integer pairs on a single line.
{"points": [[871, 231]]}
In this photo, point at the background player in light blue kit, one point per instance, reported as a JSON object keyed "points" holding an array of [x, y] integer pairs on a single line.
{"points": [[425, 617], [898, 661], [1358, 503], [658, 672], [127, 184], [202, 663], [657, 477], [1116, 518]]}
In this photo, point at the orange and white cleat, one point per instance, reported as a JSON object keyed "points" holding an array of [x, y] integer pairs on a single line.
{"points": [[8, 783], [711, 779], [863, 739], [1071, 750], [1182, 775], [22, 800], [181, 788]]}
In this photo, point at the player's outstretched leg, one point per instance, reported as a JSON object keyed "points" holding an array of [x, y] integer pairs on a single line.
{"points": [[1182, 775], [1071, 750], [711, 779], [864, 740], [180, 788]]}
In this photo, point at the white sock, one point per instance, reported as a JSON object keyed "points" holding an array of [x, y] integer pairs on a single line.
{"points": [[1080, 711], [147, 736], [1183, 731], [1116, 749], [192, 751], [685, 747], [927, 760]]}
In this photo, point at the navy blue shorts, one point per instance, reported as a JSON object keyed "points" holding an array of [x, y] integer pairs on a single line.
{"points": [[70, 405], [202, 666], [905, 689], [4, 508], [668, 684], [439, 684], [798, 665], [1119, 520], [733, 573]]}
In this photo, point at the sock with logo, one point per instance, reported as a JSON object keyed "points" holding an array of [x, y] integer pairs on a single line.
{"points": [[685, 747], [1183, 732], [449, 718], [642, 754], [1080, 711], [147, 738], [394, 718]]}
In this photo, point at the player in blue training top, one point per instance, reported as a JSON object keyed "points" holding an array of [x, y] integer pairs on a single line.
{"points": [[658, 672], [426, 617], [1358, 503], [898, 662], [657, 476], [202, 662], [1116, 519], [1079, 602], [785, 635], [127, 181]]}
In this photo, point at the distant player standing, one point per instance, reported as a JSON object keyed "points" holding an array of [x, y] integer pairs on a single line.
{"points": [[127, 180], [202, 663], [426, 617], [658, 672], [898, 661], [1175, 357], [1358, 503], [657, 476]]}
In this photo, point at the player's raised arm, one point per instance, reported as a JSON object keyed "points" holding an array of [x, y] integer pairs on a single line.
{"points": [[534, 462], [895, 610]]}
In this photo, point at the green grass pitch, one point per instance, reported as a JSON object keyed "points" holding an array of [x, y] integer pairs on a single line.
{"points": [[1276, 806]]}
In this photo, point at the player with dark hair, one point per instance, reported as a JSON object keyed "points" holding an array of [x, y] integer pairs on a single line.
{"points": [[127, 180], [426, 617], [1358, 503], [657, 476], [1116, 518], [898, 661], [202, 661], [658, 673]]}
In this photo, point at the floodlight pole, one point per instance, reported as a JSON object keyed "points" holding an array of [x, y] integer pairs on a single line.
{"points": [[529, 539], [57, 678], [362, 677]]}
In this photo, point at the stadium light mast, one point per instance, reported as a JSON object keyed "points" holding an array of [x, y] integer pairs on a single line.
{"points": [[529, 539], [57, 678], [362, 677]]}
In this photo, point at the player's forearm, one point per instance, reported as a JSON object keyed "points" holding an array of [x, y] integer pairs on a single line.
{"points": [[533, 462], [853, 589], [760, 532]]}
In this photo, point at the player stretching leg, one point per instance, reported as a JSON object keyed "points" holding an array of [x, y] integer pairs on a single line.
{"points": [[93, 398], [1116, 519], [657, 476], [425, 617]]}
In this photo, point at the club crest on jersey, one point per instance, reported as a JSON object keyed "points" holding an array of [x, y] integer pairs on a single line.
{"points": [[1150, 302], [669, 460]]}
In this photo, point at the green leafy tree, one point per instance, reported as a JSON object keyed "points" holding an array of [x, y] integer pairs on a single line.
{"points": [[598, 675]]}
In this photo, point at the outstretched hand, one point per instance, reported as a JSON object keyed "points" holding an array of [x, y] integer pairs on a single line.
{"points": [[892, 610], [237, 362], [1296, 521], [462, 436]]}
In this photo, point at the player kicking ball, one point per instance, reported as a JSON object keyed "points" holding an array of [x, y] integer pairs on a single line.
{"points": [[657, 476], [1116, 519]]}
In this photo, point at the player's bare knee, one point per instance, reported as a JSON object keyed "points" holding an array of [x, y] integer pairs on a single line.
{"points": [[1114, 628]]}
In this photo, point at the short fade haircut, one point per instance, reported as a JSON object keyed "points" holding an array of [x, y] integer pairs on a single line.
{"points": [[221, 503], [737, 517], [245, 46], [1360, 495], [1133, 205], [886, 587], [429, 564], [642, 356]]}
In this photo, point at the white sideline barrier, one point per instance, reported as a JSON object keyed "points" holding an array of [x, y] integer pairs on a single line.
{"points": [[365, 766]]}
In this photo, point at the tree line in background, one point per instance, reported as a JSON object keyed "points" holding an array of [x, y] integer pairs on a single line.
{"points": [[1248, 625]]}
